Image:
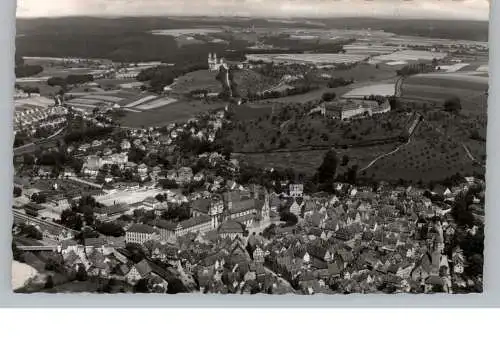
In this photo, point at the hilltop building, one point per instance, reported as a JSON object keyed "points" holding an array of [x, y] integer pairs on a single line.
{"points": [[214, 64], [348, 109]]}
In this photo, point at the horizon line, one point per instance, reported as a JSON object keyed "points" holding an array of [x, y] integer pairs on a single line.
{"points": [[381, 17]]}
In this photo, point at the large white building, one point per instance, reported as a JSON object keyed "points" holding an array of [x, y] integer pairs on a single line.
{"points": [[348, 109]]}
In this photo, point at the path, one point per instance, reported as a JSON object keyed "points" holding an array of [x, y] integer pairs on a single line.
{"points": [[385, 155]]}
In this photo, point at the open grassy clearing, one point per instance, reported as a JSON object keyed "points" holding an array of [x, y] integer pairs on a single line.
{"points": [[175, 112], [200, 79]]}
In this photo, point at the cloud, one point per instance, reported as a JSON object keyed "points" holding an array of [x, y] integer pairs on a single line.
{"points": [[466, 9]]}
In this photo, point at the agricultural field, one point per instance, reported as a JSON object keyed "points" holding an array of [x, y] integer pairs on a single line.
{"points": [[410, 55], [319, 58], [201, 79], [438, 87], [173, 112], [362, 72], [383, 89], [186, 31]]}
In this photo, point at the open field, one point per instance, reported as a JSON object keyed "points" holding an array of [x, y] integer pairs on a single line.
{"points": [[156, 103], [301, 98], [128, 197], [174, 112], [201, 79], [38, 101], [408, 55], [384, 89], [186, 31], [362, 72], [438, 87], [324, 58]]}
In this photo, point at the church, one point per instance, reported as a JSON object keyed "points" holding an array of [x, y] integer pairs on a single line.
{"points": [[234, 205], [214, 64]]}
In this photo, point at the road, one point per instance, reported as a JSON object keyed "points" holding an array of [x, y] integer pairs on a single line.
{"points": [[31, 147], [51, 227]]}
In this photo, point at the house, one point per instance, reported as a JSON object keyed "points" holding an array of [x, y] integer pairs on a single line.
{"points": [[125, 145], [231, 229], [140, 233], [258, 255], [296, 208], [296, 190]]}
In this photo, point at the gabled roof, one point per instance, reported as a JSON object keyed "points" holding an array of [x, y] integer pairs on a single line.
{"points": [[143, 268], [202, 205], [231, 226], [141, 228]]}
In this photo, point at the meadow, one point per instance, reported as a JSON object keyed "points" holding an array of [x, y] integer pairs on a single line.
{"points": [[201, 79], [174, 112]]}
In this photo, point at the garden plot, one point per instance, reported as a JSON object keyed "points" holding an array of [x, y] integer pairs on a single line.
{"points": [[383, 89], [113, 99], [156, 104], [141, 101]]}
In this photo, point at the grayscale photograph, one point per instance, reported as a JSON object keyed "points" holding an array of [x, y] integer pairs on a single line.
{"points": [[243, 147]]}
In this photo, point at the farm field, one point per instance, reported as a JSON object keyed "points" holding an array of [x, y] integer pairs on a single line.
{"points": [[186, 31], [127, 197], [440, 86], [384, 89], [319, 58], [363, 72], [201, 79], [174, 112], [408, 55]]}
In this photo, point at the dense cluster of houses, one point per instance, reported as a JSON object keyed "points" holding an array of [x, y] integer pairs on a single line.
{"points": [[248, 239]]}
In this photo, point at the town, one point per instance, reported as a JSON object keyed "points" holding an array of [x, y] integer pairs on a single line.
{"points": [[220, 177]]}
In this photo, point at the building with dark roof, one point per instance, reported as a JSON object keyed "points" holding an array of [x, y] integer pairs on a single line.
{"points": [[231, 229]]}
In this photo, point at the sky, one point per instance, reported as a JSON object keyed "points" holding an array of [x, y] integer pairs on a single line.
{"points": [[432, 9]]}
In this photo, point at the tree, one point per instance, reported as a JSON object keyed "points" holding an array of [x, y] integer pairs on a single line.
{"points": [[345, 160], [49, 283], [142, 286], [453, 105], [289, 218], [17, 191], [81, 273], [176, 286], [71, 219], [326, 171], [328, 96]]}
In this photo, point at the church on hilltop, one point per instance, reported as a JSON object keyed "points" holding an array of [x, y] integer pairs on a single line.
{"points": [[214, 64]]}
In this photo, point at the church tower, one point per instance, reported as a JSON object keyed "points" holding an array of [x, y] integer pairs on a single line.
{"points": [[215, 212]]}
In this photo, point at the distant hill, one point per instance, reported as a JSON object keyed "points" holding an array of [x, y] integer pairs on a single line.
{"points": [[129, 40]]}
